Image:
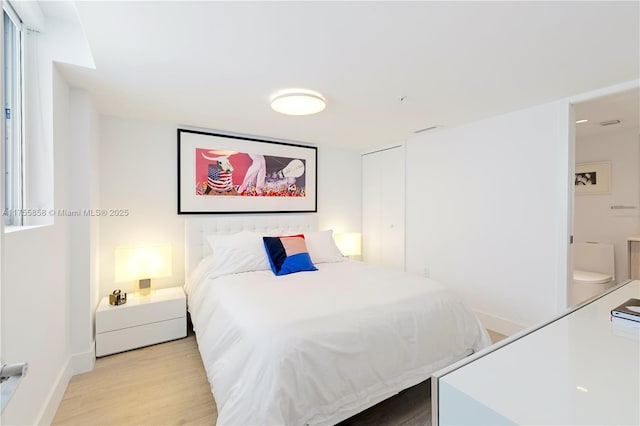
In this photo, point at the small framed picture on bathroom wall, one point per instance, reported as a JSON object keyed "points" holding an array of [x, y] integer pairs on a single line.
{"points": [[593, 178]]}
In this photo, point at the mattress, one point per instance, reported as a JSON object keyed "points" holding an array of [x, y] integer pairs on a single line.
{"points": [[317, 347]]}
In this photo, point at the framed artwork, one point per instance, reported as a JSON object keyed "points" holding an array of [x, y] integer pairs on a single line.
{"points": [[593, 178], [234, 174]]}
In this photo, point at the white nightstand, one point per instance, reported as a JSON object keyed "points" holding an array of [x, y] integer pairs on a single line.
{"points": [[142, 321]]}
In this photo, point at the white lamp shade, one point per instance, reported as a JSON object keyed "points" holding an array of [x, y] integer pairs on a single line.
{"points": [[136, 263], [349, 243]]}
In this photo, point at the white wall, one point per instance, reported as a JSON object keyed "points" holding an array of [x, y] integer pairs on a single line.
{"points": [[485, 207], [36, 289], [62, 41], [138, 169], [138, 172], [39, 181], [38, 264], [594, 219], [84, 187], [339, 190]]}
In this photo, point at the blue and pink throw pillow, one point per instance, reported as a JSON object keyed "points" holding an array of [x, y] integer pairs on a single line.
{"points": [[288, 254]]}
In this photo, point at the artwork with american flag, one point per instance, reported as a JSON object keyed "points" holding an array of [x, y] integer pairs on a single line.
{"points": [[224, 172], [235, 174]]}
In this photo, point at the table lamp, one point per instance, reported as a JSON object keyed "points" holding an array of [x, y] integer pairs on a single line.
{"points": [[142, 263], [349, 243]]}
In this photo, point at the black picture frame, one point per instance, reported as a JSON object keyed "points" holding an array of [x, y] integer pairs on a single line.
{"points": [[228, 174]]}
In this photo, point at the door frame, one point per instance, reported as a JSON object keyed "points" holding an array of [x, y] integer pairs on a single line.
{"points": [[564, 294]]}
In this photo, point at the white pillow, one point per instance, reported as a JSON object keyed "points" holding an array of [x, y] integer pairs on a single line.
{"points": [[322, 248], [241, 252]]}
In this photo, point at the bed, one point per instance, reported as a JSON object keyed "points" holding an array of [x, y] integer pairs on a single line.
{"points": [[314, 347]]}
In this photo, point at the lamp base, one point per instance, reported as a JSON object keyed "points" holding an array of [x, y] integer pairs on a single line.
{"points": [[144, 287]]}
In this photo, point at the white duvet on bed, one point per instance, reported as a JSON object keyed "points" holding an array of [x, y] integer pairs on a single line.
{"points": [[318, 347]]}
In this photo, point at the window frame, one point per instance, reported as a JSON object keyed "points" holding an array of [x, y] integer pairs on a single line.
{"points": [[14, 142]]}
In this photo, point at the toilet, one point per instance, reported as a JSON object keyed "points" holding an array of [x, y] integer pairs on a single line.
{"points": [[593, 270]]}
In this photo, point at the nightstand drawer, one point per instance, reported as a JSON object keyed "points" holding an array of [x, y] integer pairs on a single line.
{"points": [[160, 305], [136, 337]]}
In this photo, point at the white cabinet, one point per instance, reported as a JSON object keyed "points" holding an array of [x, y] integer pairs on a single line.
{"points": [[144, 320], [383, 204], [578, 369]]}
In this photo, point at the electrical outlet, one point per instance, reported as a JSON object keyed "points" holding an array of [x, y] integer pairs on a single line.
{"points": [[425, 272]]}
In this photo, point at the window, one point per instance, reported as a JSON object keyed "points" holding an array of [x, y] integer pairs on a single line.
{"points": [[13, 109]]}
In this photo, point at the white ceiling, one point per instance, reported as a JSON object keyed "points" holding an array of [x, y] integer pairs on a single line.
{"points": [[216, 64]]}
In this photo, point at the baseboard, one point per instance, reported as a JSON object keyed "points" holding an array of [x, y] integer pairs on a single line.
{"points": [[55, 395], [83, 362], [501, 325], [76, 364]]}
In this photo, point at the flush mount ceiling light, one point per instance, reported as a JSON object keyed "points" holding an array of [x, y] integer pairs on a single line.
{"points": [[298, 102]]}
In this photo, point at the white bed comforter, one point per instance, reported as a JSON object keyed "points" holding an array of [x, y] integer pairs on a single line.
{"points": [[318, 347]]}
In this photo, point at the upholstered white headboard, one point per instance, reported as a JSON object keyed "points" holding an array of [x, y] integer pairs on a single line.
{"points": [[197, 230]]}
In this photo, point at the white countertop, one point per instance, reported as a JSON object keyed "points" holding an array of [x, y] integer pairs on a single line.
{"points": [[578, 370]]}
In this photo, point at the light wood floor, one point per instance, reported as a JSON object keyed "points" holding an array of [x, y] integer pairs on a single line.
{"points": [[158, 385], [166, 385]]}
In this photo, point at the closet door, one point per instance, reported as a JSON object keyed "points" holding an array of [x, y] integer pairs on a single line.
{"points": [[383, 200]]}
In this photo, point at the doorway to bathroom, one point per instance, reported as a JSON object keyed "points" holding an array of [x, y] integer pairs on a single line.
{"points": [[606, 212]]}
